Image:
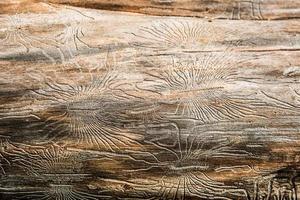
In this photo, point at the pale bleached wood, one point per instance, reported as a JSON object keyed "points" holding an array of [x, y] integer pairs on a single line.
{"points": [[100, 105], [220, 9]]}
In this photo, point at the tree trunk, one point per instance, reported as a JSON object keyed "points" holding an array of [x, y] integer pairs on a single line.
{"points": [[167, 100]]}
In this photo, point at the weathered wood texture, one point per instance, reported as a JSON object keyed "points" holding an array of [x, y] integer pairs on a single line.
{"points": [[98, 104], [216, 9]]}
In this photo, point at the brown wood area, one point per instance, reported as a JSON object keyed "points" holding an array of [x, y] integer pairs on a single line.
{"points": [[150, 99]]}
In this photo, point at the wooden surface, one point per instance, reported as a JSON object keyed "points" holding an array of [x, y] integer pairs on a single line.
{"points": [[167, 100]]}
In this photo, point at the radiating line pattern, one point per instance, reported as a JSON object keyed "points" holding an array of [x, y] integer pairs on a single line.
{"points": [[197, 88], [60, 192], [16, 33], [190, 126], [192, 186], [44, 161], [186, 176], [191, 151], [91, 113], [59, 48], [181, 35]]}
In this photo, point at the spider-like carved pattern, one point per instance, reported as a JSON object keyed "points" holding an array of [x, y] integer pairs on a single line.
{"points": [[17, 33], [61, 192], [91, 113], [198, 89], [44, 161], [181, 35]]}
